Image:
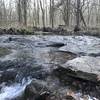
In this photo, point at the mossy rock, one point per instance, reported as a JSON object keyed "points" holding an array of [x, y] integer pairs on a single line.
{"points": [[4, 51]]}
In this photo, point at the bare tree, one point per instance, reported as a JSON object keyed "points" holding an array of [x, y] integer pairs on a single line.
{"points": [[19, 10], [24, 6], [78, 14], [66, 12], [43, 13], [52, 13]]}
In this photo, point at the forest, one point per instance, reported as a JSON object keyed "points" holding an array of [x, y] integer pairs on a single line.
{"points": [[49, 49], [50, 13]]}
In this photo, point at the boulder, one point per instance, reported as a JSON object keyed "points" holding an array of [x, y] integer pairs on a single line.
{"points": [[85, 67], [35, 90]]}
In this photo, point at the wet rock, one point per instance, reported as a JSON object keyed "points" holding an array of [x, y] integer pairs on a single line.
{"points": [[82, 45], [9, 64], [10, 39], [33, 91], [85, 67], [43, 96], [32, 71], [69, 98], [84, 86], [70, 95], [55, 44], [24, 68], [7, 76]]}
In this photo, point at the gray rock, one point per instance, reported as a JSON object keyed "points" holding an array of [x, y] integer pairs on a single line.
{"points": [[85, 67], [34, 89], [54, 44], [69, 98], [82, 45]]}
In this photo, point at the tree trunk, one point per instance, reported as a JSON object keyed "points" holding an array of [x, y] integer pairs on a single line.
{"points": [[52, 13], [78, 14], [66, 13], [43, 14], [25, 12], [19, 12]]}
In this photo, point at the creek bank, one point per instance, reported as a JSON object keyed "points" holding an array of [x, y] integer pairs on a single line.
{"points": [[47, 31]]}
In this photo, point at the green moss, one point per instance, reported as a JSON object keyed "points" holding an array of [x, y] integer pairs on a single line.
{"points": [[4, 51]]}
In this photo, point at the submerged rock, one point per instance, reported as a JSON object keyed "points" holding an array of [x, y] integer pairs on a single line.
{"points": [[55, 44], [85, 86]]}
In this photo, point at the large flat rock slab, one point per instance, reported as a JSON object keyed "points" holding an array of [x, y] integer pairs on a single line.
{"points": [[82, 45], [85, 67]]}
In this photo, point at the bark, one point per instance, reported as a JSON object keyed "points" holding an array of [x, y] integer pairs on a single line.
{"points": [[52, 14], [78, 14], [25, 12], [66, 13], [52, 10], [24, 8], [19, 11], [38, 12], [43, 14]]}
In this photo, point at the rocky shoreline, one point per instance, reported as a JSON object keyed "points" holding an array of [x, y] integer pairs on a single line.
{"points": [[47, 31]]}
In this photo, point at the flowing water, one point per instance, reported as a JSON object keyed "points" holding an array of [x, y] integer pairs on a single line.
{"points": [[34, 57]]}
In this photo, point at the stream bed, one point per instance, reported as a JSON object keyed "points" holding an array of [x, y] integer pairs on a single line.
{"points": [[63, 65]]}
